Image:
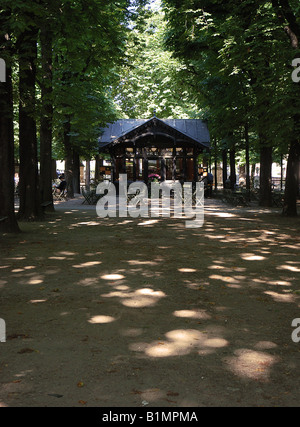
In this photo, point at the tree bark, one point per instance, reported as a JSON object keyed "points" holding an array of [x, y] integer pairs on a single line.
{"points": [[232, 168], [30, 204], [216, 165], [252, 174], [247, 157], [292, 181], [287, 17], [68, 159], [46, 117], [224, 159], [88, 173], [265, 192], [98, 163], [7, 211], [76, 172]]}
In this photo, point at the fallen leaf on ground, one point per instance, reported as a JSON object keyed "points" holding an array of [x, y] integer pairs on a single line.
{"points": [[26, 350], [136, 392], [172, 393], [171, 401], [14, 336]]}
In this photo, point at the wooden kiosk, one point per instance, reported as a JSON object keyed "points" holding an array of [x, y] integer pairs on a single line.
{"points": [[164, 149]]}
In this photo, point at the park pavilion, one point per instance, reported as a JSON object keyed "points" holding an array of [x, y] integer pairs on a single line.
{"points": [[144, 149]]}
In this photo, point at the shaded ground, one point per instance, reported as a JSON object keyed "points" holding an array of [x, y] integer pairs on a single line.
{"points": [[131, 312]]}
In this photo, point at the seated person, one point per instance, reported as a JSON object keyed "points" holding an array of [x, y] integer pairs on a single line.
{"points": [[62, 185]]}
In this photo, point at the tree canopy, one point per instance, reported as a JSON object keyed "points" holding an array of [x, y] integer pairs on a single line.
{"points": [[74, 65]]}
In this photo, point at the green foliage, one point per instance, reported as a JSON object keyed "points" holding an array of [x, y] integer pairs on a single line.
{"points": [[148, 80], [89, 42], [236, 57], [84, 68]]}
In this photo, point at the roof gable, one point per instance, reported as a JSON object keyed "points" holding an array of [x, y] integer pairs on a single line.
{"points": [[194, 129]]}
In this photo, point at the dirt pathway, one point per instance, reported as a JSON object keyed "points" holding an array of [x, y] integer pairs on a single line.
{"points": [[135, 312]]}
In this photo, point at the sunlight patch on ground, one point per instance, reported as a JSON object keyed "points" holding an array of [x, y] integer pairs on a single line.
{"points": [[112, 277], [140, 298], [181, 342], [136, 262], [213, 212], [279, 283], [195, 285], [150, 395], [143, 298], [289, 268], [37, 301], [87, 264], [226, 279], [280, 297], [101, 319], [88, 281], [215, 236], [67, 253], [217, 267], [93, 253], [149, 222], [35, 281], [122, 287], [255, 365], [265, 345], [252, 257], [187, 270], [192, 314]]}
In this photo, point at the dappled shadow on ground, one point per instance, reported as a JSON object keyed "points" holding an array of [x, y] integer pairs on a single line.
{"points": [[145, 312]]}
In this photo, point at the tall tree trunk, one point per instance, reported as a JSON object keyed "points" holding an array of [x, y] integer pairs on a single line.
{"points": [[292, 182], [281, 172], [7, 211], [287, 16], [46, 117], [216, 164], [224, 159], [247, 156], [232, 168], [76, 172], [265, 192], [87, 173], [68, 158], [30, 203], [252, 174]]}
